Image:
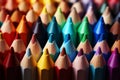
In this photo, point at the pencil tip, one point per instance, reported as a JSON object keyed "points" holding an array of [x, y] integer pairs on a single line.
{"points": [[28, 52], [67, 37], [46, 52], [7, 17], [44, 11], [85, 19], [63, 52], [54, 19], [59, 10], [116, 51], [51, 38], [80, 52], [33, 38], [98, 52], [69, 20], [101, 19]]}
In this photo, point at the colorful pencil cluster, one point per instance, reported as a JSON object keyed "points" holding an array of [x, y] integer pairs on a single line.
{"points": [[59, 40]]}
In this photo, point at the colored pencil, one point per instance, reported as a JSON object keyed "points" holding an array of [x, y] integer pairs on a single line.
{"points": [[63, 66], [12, 68], [19, 47], [28, 66], [52, 47], [81, 66], [114, 66], [35, 48], [98, 66], [45, 66]]}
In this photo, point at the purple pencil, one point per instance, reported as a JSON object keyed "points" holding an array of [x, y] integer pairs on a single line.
{"points": [[114, 66]]}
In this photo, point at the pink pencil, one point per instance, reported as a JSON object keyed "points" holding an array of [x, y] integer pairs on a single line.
{"points": [[81, 67]]}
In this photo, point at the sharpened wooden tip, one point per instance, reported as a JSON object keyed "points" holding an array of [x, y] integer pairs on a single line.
{"points": [[80, 52], [63, 52], [33, 38], [28, 52], [44, 11], [98, 52], [7, 17], [116, 51], [46, 52]]}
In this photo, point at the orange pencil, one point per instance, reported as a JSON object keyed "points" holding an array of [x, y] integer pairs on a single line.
{"points": [[24, 30]]}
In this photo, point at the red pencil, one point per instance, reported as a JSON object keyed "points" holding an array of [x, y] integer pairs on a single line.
{"points": [[4, 48], [12, 67], [63, 66]]}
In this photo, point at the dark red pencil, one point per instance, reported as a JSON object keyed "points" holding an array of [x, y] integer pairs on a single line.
{"points": [[12, 67]]}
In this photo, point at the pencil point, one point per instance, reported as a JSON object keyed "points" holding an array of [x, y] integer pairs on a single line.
{"points": [[44, 11], [33, 38], [85, 29], [60, 17], [53, 26], [99, 29], [28, 52], [63, 52], [69, 28], [7, 17], [46, 52], [74, 15], [85, 19], [98, 52], [51, 38], [80, 52], [67, 37], [54, 19], [116, 51], [101, 21]]}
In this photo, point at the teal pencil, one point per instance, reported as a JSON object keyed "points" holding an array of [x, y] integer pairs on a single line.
{"points": [[97, 66]]}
